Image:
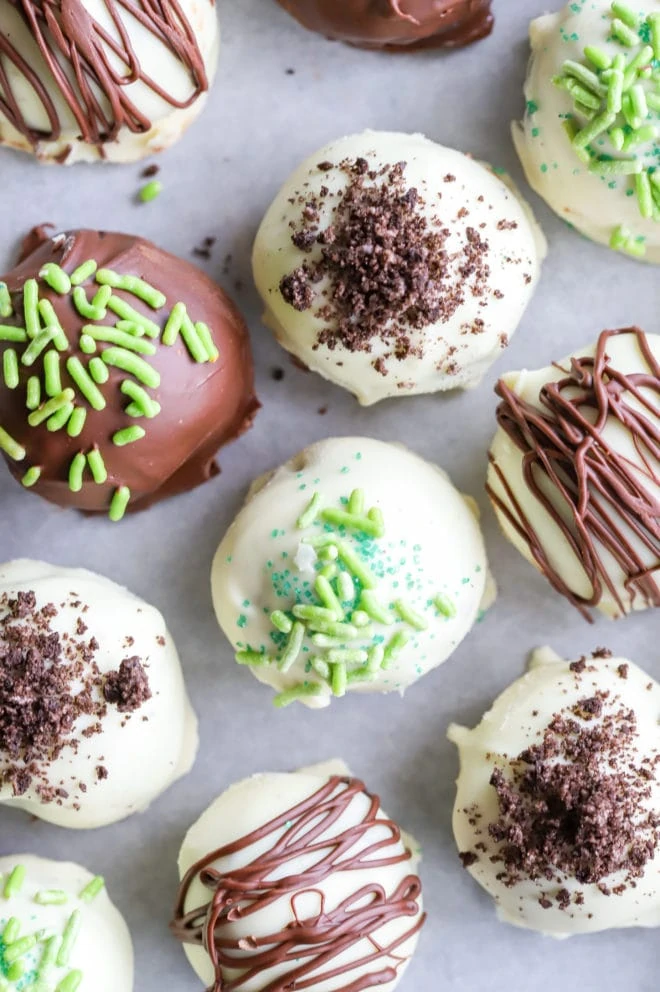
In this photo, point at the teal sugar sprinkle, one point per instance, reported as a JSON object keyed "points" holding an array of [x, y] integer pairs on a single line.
{"points": [[69, 937], [16, 335], [301, 691], [281, 621], [97, 466], [6, 308], [92, 889], [31, 477], [51, 897], [150, 191], [83, 272], [98, 370], [173, 325], [126, 312], [71, 982], [10, 368], [120, 338], [128, 435], [76, 472], [133, 285], [310, 513], [119, 503], [60, 419], [192, 340], [85, 383], [205, 336], [409, 616], [128, 362], [33, 392], [76, 422], [30, 304], [86, 309], [338, 679], [52, 377], [14, 882]]}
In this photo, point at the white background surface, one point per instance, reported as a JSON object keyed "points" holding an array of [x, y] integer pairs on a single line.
{"points": [[259, 123]]}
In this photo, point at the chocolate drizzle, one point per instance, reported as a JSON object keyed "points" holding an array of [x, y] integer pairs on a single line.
{"points": [[81, 57], [308, 948], [603, 503]]}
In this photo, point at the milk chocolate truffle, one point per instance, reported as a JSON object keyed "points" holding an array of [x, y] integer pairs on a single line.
{"points": [[355, 567], [125, 370], [575, 471], [392, 266], [83, 80], [298, 881], [557, 811], [89, 679], [59, 930], [589, 139], [398, 24]]}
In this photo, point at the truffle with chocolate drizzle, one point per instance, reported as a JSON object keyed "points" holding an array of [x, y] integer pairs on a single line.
{"points": [[124, 370], [115, 79], [575, 472], [319, 891]]}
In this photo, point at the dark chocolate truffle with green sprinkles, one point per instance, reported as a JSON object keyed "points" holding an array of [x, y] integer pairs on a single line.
{"points": [[124, 370]]}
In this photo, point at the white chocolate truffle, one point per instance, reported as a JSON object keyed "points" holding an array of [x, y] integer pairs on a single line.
{"points": [[81, 941], [356, 566], [170, 53], [109, 670], [575, 471], [603, 183], [313, 913], [393, 266], [556, 812]]}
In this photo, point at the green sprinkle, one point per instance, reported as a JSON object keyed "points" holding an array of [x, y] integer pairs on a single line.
{"points": [[347, 656], [19, 948], [375, 659], [30, 304], [50, 407], [592, 130], [644, 195], [445, 606], [359, 618], [328, 553], [52, 376], [13, 334], [11, 447], [653, 100], [16, 971], [71, 982], [617, 167], [303, 612], [394, 647], [571, 130], [355, 566], [60, 419], [626, 109], [76, 422], [86, 309], [119, 503], [653, 21], [11, 931], [47, 965], [322, 667], [51, 320], [360, 675], [56, 278], [51, 897], [584, 76], [371, 605], [97, 466], [310, 513], [251, 658], [625, 14], [638, 100], [342, 518], [128, 435], [92, 889], [129, 327], [150, 191], [409, 616], [301, 691], [338, 680], [192, 340], [83, 272], [33, 392], [85, 383], [128, 362], [326, 594], [293, 647], [126, 312], [14, 882], [597, 57], [99, 371], [615, 93], [329, 572], [173, 325], [148, 408], [10, 368], [69, 937], [345, 587], [623, 33], [281, 621], [341, 631], [31, 477], [356, 503], [133, 285], [87, 344], [37, 345], [76, 471], [6, 308], [616, 136], [206, 338], [121, 338], [640, 136]]}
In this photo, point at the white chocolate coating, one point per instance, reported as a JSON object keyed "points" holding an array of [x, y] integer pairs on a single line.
{"points": [[432, 546], [454, 352], [162, 732], [593, 204], [103, 951], [248, 805], [508, 460], [157, 61], [517, 720]]}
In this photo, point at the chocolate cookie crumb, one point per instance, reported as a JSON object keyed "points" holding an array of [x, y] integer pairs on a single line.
{"points": [[128, 688]]}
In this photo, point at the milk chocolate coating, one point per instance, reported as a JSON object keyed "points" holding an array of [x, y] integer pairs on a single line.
{"points": [[203, 405], [396, 24]]}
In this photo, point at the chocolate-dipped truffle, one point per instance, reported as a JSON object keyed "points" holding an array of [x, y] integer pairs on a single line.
{"points": [[107, 80], [397, 24], [575, 471], [125, 370], [589, 139], [557, 810], [298, 881], [355, 567], [59, 930], [392, 266], [89, 679]]}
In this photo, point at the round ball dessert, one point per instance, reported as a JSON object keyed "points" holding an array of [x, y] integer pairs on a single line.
{"points": [[392, 266], [356, 566], [589, 139], [125, 369], [59, 930], [298, 880], [90, 679], [574, 472], [397, 24], [89, 80], [556, 813]]}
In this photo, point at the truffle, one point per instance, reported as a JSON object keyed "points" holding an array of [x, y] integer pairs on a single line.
{"points": [[75, 938], [557, 808], [357, 566], [395, 24], [109, 80], [89, 678], [589, 139], [575, 471], [393, 266], [125, 370], [327, 885]]}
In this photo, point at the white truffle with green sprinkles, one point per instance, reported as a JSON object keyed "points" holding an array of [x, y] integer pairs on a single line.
{"points": [[590, 139], [59, 931], [356, 566]]}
